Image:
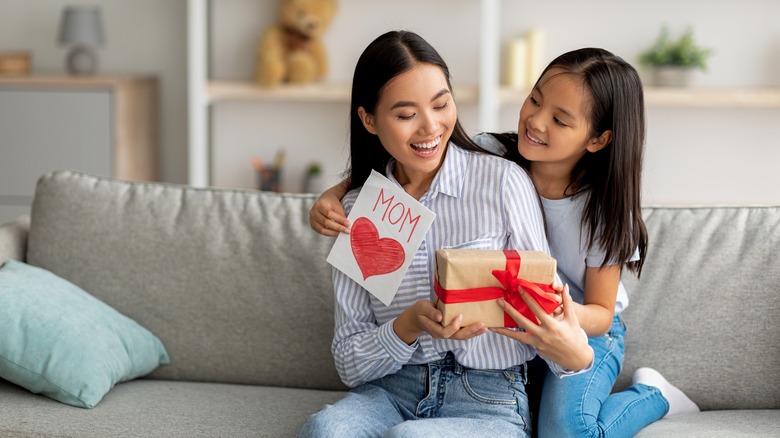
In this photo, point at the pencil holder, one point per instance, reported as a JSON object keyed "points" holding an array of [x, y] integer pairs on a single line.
{"points": [[268, 180]]}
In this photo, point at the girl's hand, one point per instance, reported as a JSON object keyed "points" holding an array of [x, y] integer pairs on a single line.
{"points": [[423, 316], [558, 312], [327, 215], [563, 341]]}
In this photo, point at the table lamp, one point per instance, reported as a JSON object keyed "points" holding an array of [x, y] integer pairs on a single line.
{"points": [[82, 28]]}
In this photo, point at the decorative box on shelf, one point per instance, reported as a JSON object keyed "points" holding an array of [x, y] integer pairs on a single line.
{"points": [[15, 63]]}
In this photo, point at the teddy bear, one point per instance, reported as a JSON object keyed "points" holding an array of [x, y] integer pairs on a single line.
{"points": [[291, 50]]}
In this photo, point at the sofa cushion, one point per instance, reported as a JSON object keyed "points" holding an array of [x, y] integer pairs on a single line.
{"points": [[703, 311], [234, 282], [58, 340], [732, 424], [164, 408]]}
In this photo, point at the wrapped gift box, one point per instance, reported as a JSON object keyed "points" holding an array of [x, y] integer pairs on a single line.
{"points": [[465, 283]]}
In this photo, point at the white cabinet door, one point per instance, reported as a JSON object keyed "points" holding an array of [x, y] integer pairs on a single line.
{"points": [[43, 130]]}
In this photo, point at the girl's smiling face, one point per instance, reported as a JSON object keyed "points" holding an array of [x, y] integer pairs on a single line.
{"points": [[554, 125], [414, 119]]}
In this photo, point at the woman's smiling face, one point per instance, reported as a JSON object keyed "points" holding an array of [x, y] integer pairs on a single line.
{"points": [[414, 119]]}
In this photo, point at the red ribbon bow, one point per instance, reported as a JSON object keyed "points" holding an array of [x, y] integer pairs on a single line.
{"points": [[541, 293]]}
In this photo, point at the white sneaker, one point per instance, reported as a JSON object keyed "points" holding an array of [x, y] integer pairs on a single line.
{"points": [[679, 403]]}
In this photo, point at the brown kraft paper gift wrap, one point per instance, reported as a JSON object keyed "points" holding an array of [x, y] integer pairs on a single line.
{"points": [[461, 269]]}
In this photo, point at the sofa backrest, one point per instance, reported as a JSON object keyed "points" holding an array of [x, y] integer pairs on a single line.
{"points": [[234, 282], [236, 285], [705, 310]]}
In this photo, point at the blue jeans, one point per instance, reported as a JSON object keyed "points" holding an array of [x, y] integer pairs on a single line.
{"points": [[438, 399], [583, 406]]}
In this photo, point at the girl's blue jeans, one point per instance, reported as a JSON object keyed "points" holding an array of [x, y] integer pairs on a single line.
{"points": [[583, 405], [438, 399]]}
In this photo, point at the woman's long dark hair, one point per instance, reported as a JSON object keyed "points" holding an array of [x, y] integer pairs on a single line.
{"points": [[610, 178], [386, 57]]}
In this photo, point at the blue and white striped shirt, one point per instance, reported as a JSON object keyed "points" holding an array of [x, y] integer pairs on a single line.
{"points": [[481, 202]]}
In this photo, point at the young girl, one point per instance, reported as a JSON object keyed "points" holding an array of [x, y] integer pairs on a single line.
{"points": [[580, 136], [400, 362]]}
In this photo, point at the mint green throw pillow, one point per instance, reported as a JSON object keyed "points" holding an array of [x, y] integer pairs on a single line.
{"points": [[57, 340]]}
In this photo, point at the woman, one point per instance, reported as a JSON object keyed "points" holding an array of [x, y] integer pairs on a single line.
{"points": [[400, 362]]}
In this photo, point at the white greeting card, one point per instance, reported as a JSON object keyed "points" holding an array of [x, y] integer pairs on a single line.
{"points": [[388, 226]]}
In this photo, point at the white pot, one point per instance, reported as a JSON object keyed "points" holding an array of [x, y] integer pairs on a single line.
{"points": [[672, 76], [314, 183]]}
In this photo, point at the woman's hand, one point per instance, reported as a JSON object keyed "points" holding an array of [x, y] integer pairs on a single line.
{"points": [[561, 341], [327, 215], [423, 316]]}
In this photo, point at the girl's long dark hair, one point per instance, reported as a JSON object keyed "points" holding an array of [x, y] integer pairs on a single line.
{"points": [[386, 57], [610, 178]]}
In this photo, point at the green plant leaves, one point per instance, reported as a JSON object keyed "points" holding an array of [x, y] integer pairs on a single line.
{"points": [[679, 52]]}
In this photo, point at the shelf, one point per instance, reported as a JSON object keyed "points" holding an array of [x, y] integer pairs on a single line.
{"points": [[688, 97], [713, 97], [219, 91], [757, 98], [121, 82], [235, 91]]}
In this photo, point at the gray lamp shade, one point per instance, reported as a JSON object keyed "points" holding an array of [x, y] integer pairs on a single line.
{"points": [[82, 25]]}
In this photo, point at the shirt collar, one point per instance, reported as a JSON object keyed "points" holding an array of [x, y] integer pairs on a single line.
{"points": [[449, 180]]}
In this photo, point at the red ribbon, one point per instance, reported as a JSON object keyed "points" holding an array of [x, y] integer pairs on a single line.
{"points": [[541, 293]]}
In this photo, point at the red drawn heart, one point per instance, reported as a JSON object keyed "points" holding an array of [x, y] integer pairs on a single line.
{"points": [[374, 256]]}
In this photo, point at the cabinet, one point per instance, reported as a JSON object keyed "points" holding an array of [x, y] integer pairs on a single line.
{"points": [[103, 125], [217, 100]]}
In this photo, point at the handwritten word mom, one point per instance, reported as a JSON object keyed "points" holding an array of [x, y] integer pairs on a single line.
{"points": [[396, 213]]}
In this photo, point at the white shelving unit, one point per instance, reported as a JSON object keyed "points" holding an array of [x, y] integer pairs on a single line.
{"points": [[197, 73], [487, 94], [203, 93]]}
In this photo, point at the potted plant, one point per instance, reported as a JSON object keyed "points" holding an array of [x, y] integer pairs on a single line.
{"points": [[672, 60], [313, 180]]}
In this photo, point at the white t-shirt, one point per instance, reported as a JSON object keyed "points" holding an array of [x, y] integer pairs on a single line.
{"points": [[568, 239], [569, 245]]}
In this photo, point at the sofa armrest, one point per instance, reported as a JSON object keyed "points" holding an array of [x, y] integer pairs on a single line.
{"points": [[13, 239]]}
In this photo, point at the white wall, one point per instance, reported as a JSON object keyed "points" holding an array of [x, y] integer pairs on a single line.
{"points": [[142, 36], [693, 156]]}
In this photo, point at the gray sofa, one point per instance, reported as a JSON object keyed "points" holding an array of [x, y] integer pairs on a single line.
{"points": [[236, 286]]}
